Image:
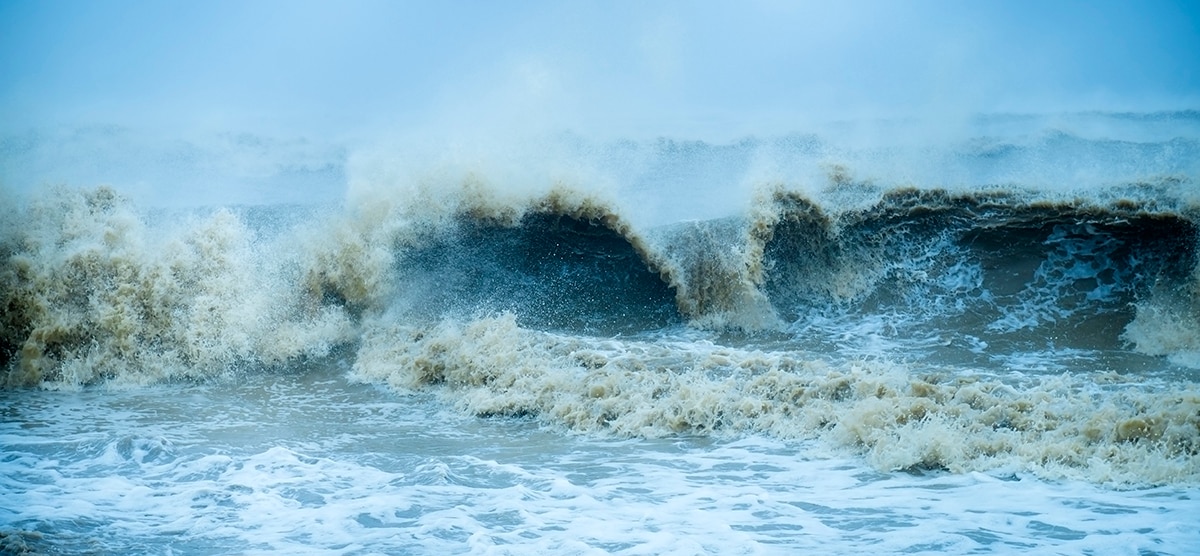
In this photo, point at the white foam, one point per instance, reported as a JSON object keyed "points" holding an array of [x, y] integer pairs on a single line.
{"points": [[898, 416], [191, 469]]}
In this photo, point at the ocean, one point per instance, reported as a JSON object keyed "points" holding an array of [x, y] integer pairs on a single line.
{"points": [[816, 342]]}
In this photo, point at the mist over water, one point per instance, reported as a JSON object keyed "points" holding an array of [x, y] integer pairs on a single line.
{"points": [[235, 102], [380, 277]]}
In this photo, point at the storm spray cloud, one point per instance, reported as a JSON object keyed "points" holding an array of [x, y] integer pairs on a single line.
{"points": [[272, 101], [657, 68]]}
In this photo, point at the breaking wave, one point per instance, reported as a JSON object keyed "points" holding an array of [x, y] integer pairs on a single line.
{"points": [[964, 328], [93, 292]]}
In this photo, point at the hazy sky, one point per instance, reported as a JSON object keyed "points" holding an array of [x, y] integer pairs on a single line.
{"points": [[342, 67]]}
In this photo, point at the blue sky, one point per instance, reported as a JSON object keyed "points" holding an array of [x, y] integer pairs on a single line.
{"points": [[659, 67]]}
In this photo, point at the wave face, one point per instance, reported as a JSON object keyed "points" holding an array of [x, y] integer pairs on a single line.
{"points": [[974, 327], [555, 270], [988, 268]]}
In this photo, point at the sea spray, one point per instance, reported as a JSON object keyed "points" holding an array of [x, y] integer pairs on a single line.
{"points": [[98, 294], [1168, 324]]}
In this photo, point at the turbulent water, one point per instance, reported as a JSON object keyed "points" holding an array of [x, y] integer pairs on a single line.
{"points": [[765, 346]]}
